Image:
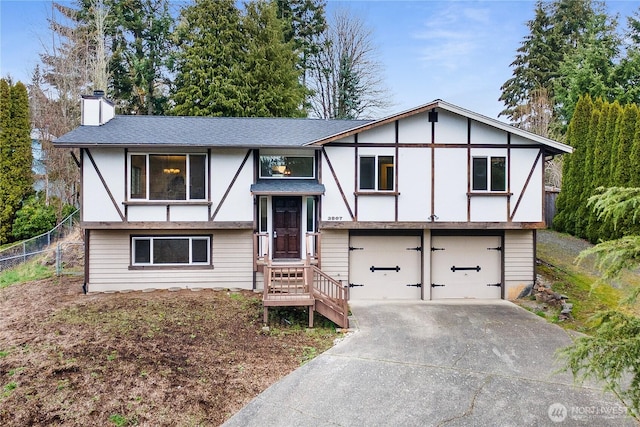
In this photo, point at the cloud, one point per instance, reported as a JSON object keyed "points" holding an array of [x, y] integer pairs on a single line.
{"points": [[452, 34]]}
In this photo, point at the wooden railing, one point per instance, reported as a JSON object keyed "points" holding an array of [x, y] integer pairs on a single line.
{"points": [[313, 245], [260, 249], [313, 242], [330, 295]]}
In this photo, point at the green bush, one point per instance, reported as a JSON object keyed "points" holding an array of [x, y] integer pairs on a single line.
{"points": [[34, 218]]}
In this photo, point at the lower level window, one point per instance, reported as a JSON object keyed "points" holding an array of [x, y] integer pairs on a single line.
{"points": [[171, 250]]}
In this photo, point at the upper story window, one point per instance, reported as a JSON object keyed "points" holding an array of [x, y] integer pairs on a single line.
{"points": [[287, 166], [489, 173], [377, 173], [167, 176]]}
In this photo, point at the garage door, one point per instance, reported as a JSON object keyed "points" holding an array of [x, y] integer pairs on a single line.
{"points": [[385, 267], [466, 267]]}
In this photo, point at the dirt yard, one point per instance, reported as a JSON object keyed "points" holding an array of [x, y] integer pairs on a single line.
{"points": [[152, 359]]}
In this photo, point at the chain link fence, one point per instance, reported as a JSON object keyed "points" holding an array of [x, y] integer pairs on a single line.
{"points": [[24, 251]]}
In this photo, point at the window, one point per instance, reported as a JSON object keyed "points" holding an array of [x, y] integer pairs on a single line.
{"points": [[171, 250], [377, 173], [489, 172], [168, 176], [286, 166]]}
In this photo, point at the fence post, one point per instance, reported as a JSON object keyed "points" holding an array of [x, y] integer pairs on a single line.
{"points": [[58, 263]]}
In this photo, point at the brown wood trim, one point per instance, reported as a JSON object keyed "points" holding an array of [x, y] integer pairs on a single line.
{"points": [[509, 175], [81, 184], [171, 267], [377, 123], [209, 160], [469, 175], [356, 178], [433, 171], [489, 194], [543, 188], [335, 177], [404, 225], [126, 179], [397, 160], [167, 203], [526, 184], [104, 184], [87, 258], [377, 193], [75, 159], [230, 186], [429, 145], [162, 225]]}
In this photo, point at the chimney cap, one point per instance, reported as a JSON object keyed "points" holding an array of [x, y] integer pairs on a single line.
{"points": [[98, 92]]}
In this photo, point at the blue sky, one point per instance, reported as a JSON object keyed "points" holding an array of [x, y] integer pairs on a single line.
{"points": [[458, 51]]}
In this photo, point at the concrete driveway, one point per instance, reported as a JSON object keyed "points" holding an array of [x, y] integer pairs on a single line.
{"points": [[436, 364]]}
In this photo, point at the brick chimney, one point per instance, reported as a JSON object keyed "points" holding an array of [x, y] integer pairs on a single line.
{"points": [[96, 109]]}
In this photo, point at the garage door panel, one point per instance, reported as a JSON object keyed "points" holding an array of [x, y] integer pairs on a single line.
{"points": [[466, 267], [382, 267]]}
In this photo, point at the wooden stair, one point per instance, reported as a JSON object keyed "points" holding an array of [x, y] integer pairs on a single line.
{"points": [[305, 285]]}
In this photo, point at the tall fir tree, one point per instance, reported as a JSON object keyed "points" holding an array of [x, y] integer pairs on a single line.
{"points": [[572, 31], [141, 55], [306, 21], [272, 79], [582, 212], [209, 62], [626, 133], [16, 178], [573, 173], [599, 169]]}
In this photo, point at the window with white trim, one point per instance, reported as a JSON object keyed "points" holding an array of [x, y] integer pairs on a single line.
{"points": [[170, 250], [489, 173], [376, 173], [167, 176]]}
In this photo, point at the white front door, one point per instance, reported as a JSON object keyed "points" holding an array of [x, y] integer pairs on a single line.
{"points": [[385, 267], [466, 267]]}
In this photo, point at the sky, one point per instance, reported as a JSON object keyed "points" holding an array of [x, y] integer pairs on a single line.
{"points": [[459, 51]]}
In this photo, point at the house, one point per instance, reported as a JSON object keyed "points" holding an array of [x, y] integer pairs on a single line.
{"points": [[435, 202]]}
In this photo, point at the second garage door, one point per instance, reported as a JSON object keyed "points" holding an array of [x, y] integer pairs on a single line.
{"points": [[385, 267], [466, 267]]}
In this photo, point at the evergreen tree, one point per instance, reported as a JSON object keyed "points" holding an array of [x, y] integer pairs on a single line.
{"points": [[577, 32], [626, 133], [627, 73], [534, 67], [209, 63], [141, 47], [305, 20], [16, 179], [272, 79], [589, 68], [588, 183], [569, 199], [599, 169], [610, 150]]}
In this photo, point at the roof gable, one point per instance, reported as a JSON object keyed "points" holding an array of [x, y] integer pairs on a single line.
{"points": [[554, 146]]}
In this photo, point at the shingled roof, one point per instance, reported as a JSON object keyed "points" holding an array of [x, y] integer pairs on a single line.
{"points": [[154, 131]]}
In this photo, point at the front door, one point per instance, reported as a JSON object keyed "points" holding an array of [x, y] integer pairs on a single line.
{"points": [[286, 227]]}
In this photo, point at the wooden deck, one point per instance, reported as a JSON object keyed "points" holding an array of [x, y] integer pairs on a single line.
{"points": [[305, 285]]}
